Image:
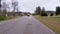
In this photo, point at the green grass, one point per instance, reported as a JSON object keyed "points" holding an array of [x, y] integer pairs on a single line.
{"points": [[57, 19], [2, 18], [51, 22], [53, 19]]}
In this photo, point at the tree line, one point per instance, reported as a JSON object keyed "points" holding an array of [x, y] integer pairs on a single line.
{"points": [[5, 7], [40, 11], [43, 12]]}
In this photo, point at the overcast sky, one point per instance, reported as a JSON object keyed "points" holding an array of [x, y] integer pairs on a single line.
{"points": [[30, 5]]}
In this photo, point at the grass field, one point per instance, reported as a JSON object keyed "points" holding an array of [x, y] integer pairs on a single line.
{"points": [[52, 22], [8, 18], [2, 18]]}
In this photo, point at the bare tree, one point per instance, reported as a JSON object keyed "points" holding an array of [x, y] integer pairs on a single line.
{"points": [[0, 8], [14, 5], [5, 6], [0, 3]]}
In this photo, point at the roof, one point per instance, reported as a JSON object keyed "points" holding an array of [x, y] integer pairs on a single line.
{"points": [[50, 11]]}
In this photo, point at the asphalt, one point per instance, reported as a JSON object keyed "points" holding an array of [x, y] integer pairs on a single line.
{"points": [[24, 25]]}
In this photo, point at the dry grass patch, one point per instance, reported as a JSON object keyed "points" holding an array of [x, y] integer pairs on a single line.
{"points": [[52, 22]]}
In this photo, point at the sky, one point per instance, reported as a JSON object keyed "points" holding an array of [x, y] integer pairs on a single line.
{"points": [[30, 5]]}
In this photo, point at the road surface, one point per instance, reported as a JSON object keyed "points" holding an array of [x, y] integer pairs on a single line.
{"points": [[24, 25]]}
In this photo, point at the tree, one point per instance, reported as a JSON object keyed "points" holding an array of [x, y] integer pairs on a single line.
{"points": [[4, 7], [38, 10], [14, 5], [57, 10], [0, 8], [43, 13], [0, 3]]}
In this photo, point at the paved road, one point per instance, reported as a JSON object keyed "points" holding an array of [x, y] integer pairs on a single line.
{"points": [[24, 25]]}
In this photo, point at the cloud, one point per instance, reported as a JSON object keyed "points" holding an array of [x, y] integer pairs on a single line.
{"points": [[30, 5]]}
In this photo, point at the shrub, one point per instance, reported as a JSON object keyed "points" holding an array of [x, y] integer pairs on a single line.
{"points": [[43, 13], [33, 14], [2, 18], [51, 14]]}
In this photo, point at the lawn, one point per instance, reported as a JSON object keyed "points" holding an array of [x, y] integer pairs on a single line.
{"points": [[2, 18], [8, 18], [51, 22]]}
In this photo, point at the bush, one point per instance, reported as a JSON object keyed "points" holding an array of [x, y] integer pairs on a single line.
{"points": [[33, 14], [43, 13], [2, 18], [51, 14]]}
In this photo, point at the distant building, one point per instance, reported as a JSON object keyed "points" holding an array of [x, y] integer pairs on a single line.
{"points": [[26, 13], [51, 13], [16, 13]]}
